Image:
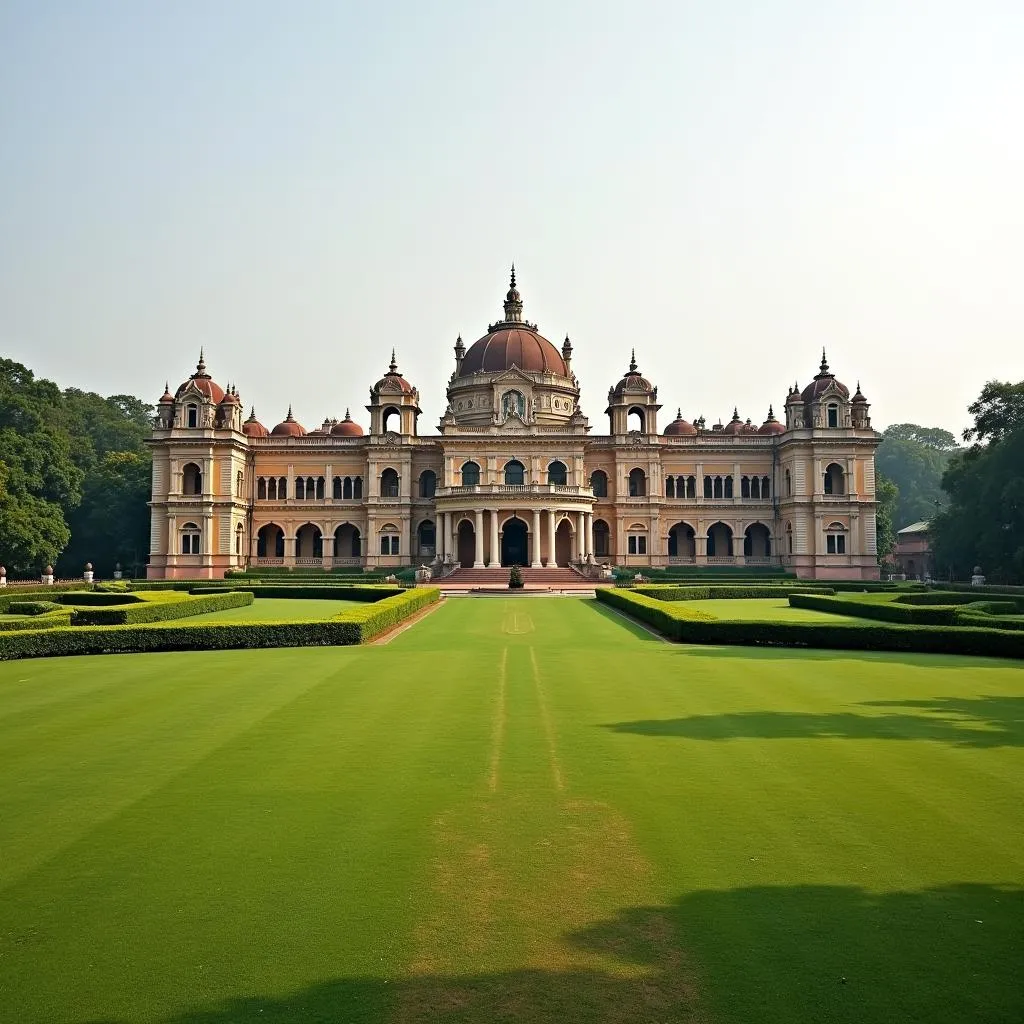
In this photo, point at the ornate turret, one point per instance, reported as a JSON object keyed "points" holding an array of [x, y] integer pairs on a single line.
{"points": [[513, 301], [633, 394], [393, 394]]}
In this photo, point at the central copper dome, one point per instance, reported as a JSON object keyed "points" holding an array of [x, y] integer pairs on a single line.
{"points": [[513, 342]]}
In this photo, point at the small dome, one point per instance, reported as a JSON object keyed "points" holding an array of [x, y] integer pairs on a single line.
{"points": [[823, 380], [735, 425], [347, 427], [203, 383], [748, 427], [166, 398], [230, 397], [633, 382], [771, 425], [858, 396], [680, 427], [393, 381], [252, 426], [289, 427]]}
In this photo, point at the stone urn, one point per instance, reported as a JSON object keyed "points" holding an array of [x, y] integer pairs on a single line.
{"points": [[977, 580], [3, 575], [87, 576], [48, 576], [117, 570]]}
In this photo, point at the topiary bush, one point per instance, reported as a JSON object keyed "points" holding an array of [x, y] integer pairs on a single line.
{"points": [[32, 607], [515, 578], [97, 598]]}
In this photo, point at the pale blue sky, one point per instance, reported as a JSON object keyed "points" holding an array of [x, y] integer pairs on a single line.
{"points": [[725, 186]]}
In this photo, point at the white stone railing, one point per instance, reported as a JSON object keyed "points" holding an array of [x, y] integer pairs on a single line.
{"points": [[519, 490]]}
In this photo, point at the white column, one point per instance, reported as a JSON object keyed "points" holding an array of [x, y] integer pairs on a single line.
{"points": [[581, 538], [551, 538], [535, 562], [439, 534], [495, 551], [449, 537], [588, 531], [478, 537]]}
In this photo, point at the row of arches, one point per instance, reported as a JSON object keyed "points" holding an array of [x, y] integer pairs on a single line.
{"points": [[514, 473]]}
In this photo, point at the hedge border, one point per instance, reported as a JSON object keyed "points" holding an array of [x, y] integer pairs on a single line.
{"points": [[727, 592], [855, 636], [353, 626], [159, 611]]}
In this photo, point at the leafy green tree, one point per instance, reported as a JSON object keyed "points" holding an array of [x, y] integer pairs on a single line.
{"points": [[983, 523], [914, 459], [887, 495]]}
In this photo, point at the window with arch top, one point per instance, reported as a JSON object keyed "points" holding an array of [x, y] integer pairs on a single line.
{"points": [[470, 474], [191, 479], [192, 413], [599, 483], [835, 479], [833, 415], [515, 473], [428, 483], [557, 474], [389, 484], [190, 538], [637, 483]]}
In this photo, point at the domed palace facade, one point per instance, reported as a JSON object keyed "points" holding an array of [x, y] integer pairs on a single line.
{"points": [[514, 475]]}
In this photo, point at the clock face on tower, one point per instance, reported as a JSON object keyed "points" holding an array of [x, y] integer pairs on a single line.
{"points": [[513, 404]]}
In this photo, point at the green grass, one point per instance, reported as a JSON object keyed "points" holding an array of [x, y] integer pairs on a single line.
{"points": [[279, 609], [775, 609], [517, 810]]}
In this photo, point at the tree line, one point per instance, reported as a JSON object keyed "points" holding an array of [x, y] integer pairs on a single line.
{"points": [[74, 477]]}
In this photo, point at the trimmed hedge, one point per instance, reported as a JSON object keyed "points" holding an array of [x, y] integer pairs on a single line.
{"points": [[48, 621], [32, 607], [885, 611], [160, 611], [97, 598], [354, 626], [854, 636], [35, 593], [726, 592]]}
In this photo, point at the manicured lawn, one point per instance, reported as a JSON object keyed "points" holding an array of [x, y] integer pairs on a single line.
{"points": [[277, 609], [769, 608], [517, 810]]}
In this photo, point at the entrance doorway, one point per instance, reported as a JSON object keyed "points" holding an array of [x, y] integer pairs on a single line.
{"points": [[513, 543], [467, 544], [563, 543]]}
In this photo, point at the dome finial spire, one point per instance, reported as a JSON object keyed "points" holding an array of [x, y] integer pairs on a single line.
{"points": [[201, 365], [512, 282], [632, 361], [513, 301], [393, 367], [824, 361]]}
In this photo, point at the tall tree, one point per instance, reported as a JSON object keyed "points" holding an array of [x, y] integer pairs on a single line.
{"points": [[983, 523], [887, 495], [914, 459]]}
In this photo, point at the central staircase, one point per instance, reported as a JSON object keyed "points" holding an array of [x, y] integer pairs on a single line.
{"points": [[553, 578]]}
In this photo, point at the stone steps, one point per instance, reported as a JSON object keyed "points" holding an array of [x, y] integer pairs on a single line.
{"points": [[498, 577]]}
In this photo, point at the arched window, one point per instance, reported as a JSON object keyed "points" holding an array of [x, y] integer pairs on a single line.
{"points": [[336, 491], [192, 414], [718, 486], [515, 473], [599, 485], [691, 487], [389, 539], [557, 474], [320, 488], [282, 488], [389, 484], [728, 486], [310, 488], [386, 418], [272, 488], [261, 488], [191, 479], [766, 487], [239, 482], [636, 539], [602, 536], [755, 487], [833, 415], [708, 492], [300, 488], [470, 474], [641, 420], [190, 538], [835, 479], [670, 487], [347, 488], [835, 539], [719, 544], [745, 487], [239, 533], [428, 483], [637, 483], [427, 536], [789, 485], [357, 487]]}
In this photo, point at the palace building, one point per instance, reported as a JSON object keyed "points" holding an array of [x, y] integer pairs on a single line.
{"points": [[515, 475]]}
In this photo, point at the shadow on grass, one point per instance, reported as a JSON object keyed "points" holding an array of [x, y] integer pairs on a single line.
{"points": [[770, 954], [967, 722]]}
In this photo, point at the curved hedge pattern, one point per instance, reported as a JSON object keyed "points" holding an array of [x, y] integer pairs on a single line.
{"points": [[848, 636], [353, 626], [726, 592], [159, 611]]}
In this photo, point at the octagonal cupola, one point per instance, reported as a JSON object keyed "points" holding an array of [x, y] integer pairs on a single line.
{"points": [[634, 396], [394, 403]]}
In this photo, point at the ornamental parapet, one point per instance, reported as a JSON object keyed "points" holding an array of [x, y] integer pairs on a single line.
{"points": [[516, 491]]}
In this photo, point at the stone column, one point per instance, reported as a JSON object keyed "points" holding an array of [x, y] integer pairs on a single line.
{"points": [[535, 562], [495, 547], [289, 551], [588, 518], [478, 538], [449, 541], [551, 539], [327, 540], [581, 537]]}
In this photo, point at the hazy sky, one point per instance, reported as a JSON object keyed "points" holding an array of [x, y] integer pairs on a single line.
{"points": [[726, 186]]}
